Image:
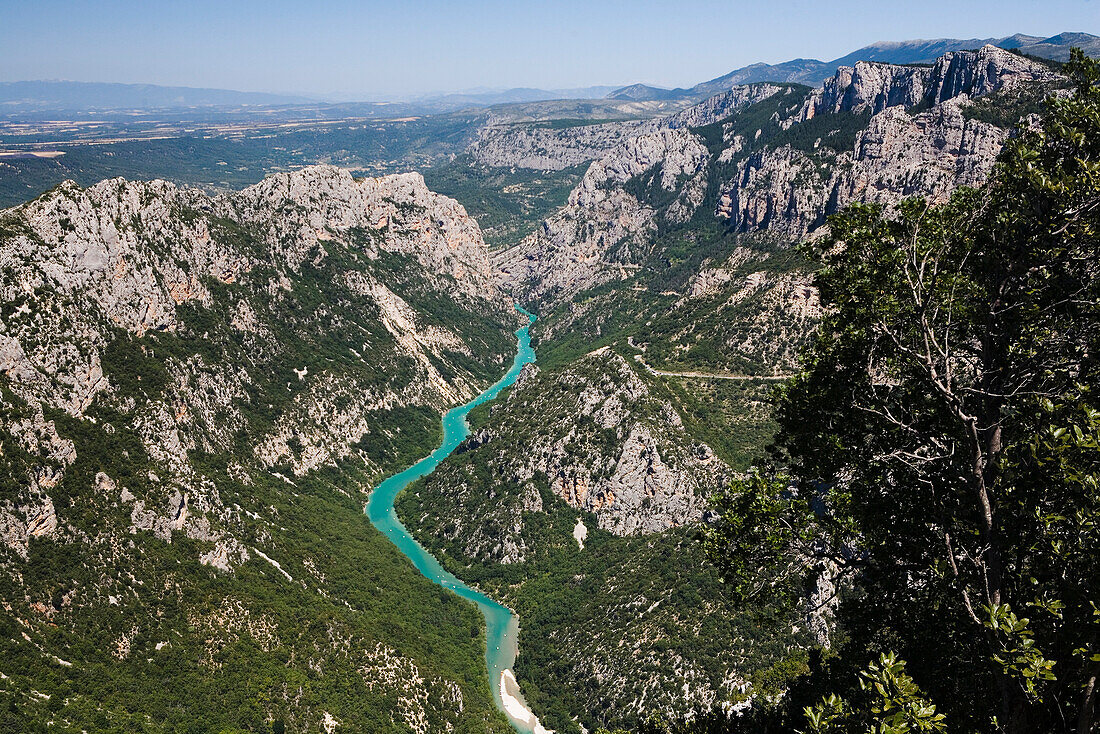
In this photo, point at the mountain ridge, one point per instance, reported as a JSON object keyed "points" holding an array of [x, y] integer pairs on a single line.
{"points": [[196, 394], [914, 51], [70, 95]]}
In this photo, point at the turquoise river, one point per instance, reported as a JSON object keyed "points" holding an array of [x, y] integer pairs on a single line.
{"points": [[502, 624]]}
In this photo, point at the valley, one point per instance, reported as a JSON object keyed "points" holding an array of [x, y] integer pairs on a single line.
{"points": [[502, 626], [228, 333]]}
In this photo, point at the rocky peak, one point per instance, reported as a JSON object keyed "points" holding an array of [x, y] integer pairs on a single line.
{"points": [[977, 73], [868, 87], [302, 208], [872, 86], [89, 277], [125, 245]]}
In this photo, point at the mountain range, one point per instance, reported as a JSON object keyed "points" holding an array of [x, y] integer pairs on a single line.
{"points": [[25, 96], [814, 72], [198, 392]]}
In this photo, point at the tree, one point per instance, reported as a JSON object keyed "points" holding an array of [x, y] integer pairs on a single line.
{"points": [[942, 433], [891, 704]]}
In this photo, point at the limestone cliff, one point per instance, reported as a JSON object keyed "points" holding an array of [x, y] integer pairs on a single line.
{"points": [[177, 369], [873, 87], [604, 230], [883, 133], [918, 142]]}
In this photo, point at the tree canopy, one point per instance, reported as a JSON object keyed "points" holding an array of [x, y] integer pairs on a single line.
{"points": [[941, 448]]}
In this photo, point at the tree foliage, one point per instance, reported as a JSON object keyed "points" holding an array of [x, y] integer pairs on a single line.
{"points": [[943, 434]]}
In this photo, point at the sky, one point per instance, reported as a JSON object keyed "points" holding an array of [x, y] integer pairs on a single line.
{"points": [[371, 49]]}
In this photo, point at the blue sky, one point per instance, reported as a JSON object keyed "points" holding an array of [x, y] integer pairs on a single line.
{"points": [[359, 49]]}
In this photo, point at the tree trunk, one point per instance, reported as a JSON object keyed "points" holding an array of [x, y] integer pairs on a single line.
{"points": [[1086, 716]]}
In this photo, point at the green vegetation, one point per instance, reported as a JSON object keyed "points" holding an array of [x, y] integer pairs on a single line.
{"points": [[238, 645], [507, 203], [1007, 108], [654, 595], [944, 440], [113, 629], [733, 417]]}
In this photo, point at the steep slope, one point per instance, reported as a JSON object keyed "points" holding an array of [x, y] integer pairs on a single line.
{"points": [[781, 163], [604, 230], [196, 394], [919, 140], [623, 460], [673, 259], [576, 500]]}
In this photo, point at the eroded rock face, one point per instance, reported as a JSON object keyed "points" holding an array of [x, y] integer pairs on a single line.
{"points": [[597, 438], [604, 231], [902, 152], [722, 105], [506, 143], [299, 210], [873, 87], [642, 495], [897, 156], [548, 149], [83, 270]]}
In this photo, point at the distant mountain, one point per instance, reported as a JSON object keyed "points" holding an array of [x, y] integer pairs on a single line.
{"points": [[480, 98], [62, 95], [1057, 47], [805, 71], [814, 72], [644, 92]]}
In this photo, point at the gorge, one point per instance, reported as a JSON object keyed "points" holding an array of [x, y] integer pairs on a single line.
{"points": [[208, 378], [502, 625]]}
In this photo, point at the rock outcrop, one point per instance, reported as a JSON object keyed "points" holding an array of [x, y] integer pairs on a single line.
{"points": [[604, 230], [300, 210], [918, 141], [175, 372], [873, 87], [549, 147], [597, 438]]}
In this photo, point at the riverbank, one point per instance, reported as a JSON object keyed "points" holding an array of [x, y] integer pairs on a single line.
{"points": [[502, 625], [516, 707]]}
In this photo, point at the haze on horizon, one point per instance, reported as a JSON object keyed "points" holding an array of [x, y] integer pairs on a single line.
{"points": [[371, 50]]}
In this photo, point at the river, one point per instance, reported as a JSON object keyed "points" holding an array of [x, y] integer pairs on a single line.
{"points": [[501, 623]]}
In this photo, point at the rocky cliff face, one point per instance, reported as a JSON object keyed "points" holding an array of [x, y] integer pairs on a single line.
{"points": [[873, 87], [173, 367], [548, 146], [300, 209], [898, 155], [883, 132], [84, 268], [918, 142], [604, 230], [597, 438]]}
